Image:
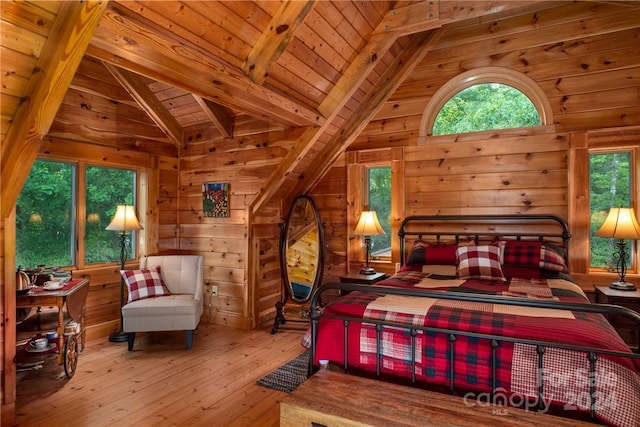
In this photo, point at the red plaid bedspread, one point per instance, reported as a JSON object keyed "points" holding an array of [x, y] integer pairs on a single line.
{"points": [[566, 372]]}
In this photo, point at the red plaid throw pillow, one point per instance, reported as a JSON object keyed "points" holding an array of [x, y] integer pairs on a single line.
{"points": [[145, 283], [428, 254], [479, 262]]}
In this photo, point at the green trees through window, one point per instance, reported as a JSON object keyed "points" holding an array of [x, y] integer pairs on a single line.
{"points": [[483, 107], [610, 185], [103, 187], [379, 196], [46, 214]]}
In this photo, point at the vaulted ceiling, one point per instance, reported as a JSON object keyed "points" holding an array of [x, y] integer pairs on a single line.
{"points": [[146, 75]]}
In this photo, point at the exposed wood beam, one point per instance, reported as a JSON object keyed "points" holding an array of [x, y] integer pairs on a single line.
{"points": [[627, 3], [147, 100], [406, 19], [275, 39], [426, 15], [61, 131], [285, 167], [358, 70], [69, 37], [364, 63], [394, 75], [181, 63], [220, 116], [411, 19]]}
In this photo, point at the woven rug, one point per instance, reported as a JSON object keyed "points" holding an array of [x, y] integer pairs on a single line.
{"points": [[288, 376]]}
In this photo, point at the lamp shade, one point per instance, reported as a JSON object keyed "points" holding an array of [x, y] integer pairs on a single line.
{"points": [[368, 225], [124, 220], [621, 223], [93, 218]]}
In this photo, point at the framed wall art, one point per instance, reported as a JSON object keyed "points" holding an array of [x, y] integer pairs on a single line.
{"points": [[215, 199]]}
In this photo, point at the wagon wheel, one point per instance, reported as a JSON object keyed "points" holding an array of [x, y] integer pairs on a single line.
{"points": [[70, 355]]}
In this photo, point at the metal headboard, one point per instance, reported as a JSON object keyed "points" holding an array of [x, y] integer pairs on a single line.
{"points": [[434, 227]]}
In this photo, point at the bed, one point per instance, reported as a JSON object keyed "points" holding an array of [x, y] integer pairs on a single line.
{"points": [[482, 307]]}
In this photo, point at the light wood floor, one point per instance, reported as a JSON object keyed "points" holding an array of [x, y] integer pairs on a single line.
{"points": [[161, 383]]}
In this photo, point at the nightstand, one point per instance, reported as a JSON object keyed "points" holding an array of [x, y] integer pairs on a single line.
{"points": [[361, 279], [628, 330]]}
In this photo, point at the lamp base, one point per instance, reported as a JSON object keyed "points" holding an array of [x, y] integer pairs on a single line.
{"points": [[118, 337], [368, 271], [623, 286]]}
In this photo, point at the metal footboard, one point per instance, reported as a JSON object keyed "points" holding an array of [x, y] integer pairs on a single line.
{"points": [[494, 341]]}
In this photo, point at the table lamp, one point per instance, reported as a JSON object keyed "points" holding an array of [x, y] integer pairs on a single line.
{"points": [[368, 226], [620, 224]]}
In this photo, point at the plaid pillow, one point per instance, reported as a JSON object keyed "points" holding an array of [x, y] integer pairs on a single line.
{"points": [[145, 283], [479, 262], [533, 254], [552, 260], [522, 253], [427, 254]]}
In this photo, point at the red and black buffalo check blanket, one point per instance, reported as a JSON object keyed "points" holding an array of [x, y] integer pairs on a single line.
{"points": [[566, 372]]}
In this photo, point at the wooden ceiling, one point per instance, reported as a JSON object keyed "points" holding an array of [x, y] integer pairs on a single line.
{"points": [[145, 75]]}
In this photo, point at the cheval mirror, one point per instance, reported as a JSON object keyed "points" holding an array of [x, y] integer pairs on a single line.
{"points": [[301, 259]]}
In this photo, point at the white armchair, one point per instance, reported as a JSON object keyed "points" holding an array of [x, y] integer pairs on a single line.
{"points": [[183, 275]]}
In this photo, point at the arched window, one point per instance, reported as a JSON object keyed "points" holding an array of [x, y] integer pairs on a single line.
{"points": [[485, 106], [486, 99]]}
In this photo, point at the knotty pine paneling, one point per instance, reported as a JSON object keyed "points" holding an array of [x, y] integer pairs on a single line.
{"points": [[514, 175], [247, 284], [511, 175], [330, 198], [576, 69], [167, 204], [268, 277]]}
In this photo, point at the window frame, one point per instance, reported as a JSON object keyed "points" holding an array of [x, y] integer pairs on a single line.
{"points": [[356, 162], [582, 144], [78, 187], [633, 264], [366, 204]]}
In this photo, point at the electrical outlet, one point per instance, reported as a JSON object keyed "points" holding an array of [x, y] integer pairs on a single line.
{"points": [[214, 291]]}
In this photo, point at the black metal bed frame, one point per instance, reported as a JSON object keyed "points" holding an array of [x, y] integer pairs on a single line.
{"points": [[493, 222], [494, 341]]}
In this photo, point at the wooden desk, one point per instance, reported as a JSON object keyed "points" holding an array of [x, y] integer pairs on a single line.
{"points": [[72, 296]]}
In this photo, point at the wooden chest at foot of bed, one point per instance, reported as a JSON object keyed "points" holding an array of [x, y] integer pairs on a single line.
{"points": [[334, 399]]}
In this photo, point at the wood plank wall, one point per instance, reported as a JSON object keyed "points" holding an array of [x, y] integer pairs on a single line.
{"points": [[591, 81], [513, 175], [232, 259]]}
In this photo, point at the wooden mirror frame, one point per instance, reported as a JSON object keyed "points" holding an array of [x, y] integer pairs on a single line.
{"points": [[307, 277]]}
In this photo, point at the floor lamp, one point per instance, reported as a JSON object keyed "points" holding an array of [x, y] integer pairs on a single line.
{"points": [[368, 226], [124, 221], [620, 224]]}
